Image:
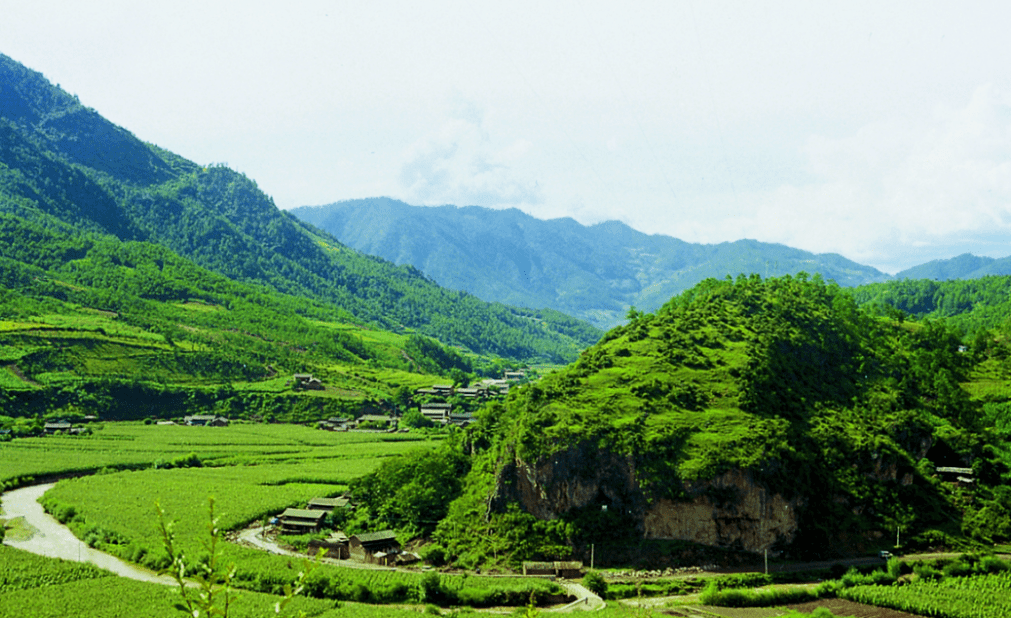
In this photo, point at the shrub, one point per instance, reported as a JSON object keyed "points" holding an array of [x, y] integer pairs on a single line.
{"points": [[595, 583], [434, 555], [429, 587]]}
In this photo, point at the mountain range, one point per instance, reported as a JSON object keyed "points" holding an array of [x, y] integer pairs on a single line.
{"points": [[65, 168], [594, 272]]}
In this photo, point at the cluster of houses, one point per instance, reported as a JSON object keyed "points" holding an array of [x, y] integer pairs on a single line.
{"points": [[368, 421], [381, 548]]}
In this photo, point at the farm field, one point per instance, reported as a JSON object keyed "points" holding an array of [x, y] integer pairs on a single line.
{"points": [[49, 588], [125, 445], [251, 471], [980, 596]]}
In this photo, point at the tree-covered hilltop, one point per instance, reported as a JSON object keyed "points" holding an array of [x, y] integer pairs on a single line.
{"points": [[750, 414], [63, 166], [970, 305]]}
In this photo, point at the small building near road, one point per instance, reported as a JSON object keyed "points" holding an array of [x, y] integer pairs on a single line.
{"points": [[374, 547], [336, 546], [301, 521], [565, 570], [569, 570], [538, 568]]}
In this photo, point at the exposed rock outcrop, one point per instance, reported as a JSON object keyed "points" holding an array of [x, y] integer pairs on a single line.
{"points": [[731, 510]]}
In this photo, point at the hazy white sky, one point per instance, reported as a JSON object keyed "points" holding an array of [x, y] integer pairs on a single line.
{"points": [[878, 130]]}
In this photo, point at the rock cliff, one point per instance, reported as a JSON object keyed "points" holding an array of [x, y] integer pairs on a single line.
{"points": [[731, 510]]}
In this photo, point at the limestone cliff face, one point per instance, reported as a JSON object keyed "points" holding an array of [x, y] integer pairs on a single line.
{"points": [[731, 510]]}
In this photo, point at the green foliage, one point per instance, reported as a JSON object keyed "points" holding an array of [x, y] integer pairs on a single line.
{"points": [[213, 594], [410, 493], [983, 596], [595, 583]]}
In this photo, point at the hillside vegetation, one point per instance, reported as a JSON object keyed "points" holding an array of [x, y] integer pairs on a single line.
{"points": [[750, 414]]}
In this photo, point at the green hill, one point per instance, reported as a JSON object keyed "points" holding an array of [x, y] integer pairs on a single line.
{"points": [[744, 415], [63, 166], [592, 272]]}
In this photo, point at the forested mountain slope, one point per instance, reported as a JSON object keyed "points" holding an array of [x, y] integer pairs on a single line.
{"points": [[63, 166], [90, 324], [970, 305], [749, 414], [593, 272]]}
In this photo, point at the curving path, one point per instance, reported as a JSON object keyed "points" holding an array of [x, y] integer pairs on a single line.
{"points": [[55, 540]]}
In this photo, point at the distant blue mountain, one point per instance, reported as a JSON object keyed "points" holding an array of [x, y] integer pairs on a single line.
{"points": [[965, 266], [593, 272]]}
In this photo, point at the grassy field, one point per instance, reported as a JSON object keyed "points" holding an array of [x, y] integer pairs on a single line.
{"points": [[252, 471], [37, 587]]}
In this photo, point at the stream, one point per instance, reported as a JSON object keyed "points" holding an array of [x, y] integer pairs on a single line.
{"points": [[55, 540]]}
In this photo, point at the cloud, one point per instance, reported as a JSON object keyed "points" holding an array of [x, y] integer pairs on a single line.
{"points": [[461, 164], [892, 194]]}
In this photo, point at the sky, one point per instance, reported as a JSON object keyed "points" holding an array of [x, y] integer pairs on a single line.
{"points": [[877, 130]]}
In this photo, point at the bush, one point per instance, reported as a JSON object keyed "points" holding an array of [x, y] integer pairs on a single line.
{"points": [[434, 555], [430, 588], [595, 583], [957, 569], [991, 564]]}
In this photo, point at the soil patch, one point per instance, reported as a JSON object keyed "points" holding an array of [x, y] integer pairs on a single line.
{"points": [[707, 611], [842, 607]]}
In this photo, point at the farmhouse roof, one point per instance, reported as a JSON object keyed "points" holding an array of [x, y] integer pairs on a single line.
{"points": [[335, 503], [303, 514], [375, 537]]}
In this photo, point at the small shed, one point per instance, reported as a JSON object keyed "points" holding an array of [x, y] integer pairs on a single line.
{"points": [[367, 547], [538, 568], [308, 382], [569, 570], [565, 570], [301, 521]]}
